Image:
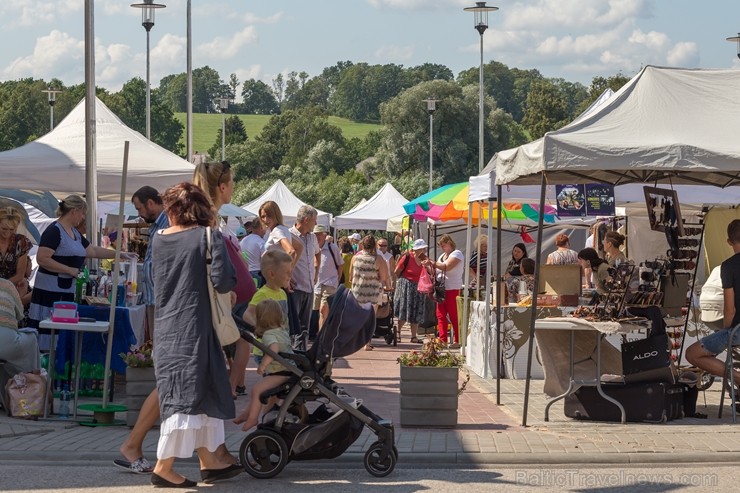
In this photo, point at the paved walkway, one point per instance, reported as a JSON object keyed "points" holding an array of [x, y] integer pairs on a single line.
{"points": [[486, 433]]}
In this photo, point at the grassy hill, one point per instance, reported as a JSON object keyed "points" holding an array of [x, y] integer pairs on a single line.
{"points": [[206, 126]]}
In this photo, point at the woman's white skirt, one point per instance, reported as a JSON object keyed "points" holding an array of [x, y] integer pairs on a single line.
{"points": [[181, 434]]}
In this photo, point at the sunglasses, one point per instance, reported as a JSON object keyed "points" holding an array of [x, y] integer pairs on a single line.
{"points": [[225, 166]]}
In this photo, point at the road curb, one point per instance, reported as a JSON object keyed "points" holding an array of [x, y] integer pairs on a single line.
{"points": [[432, 459]]}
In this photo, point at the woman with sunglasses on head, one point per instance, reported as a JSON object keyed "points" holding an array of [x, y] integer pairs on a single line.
{"points": [[61, 256], [14, 247], [217, 180]]}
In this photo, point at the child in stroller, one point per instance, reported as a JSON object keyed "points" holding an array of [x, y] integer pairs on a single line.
{"points": [[271, 326], [328, 420]]}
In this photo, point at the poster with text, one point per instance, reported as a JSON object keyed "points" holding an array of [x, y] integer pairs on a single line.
{"points": [[600, 200], [571, 200]]}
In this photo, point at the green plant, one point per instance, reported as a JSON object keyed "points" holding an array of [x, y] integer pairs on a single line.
{"points": [[139, 357], [433, 353]]}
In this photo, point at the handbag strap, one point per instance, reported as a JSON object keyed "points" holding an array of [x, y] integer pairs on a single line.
{"points": [[331, 254]]}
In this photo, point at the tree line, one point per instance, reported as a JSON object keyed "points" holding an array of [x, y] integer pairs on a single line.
{"points": [[301, 147]]}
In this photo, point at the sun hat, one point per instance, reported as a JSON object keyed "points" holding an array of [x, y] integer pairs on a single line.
{"points": [[355, 236], [320, 228], [419, 244]]}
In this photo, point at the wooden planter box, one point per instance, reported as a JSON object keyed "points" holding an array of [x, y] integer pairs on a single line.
{"points": [[139, 384], [429, 396]]}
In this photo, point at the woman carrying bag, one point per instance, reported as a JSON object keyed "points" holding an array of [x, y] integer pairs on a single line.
{"points": [[452, 265], [408, 302]]}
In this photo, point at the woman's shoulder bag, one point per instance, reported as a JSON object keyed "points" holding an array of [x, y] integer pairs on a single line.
{"points": [[223, 322]]}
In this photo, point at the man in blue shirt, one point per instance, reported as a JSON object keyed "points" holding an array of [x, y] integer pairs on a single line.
{"points": [[148, 204]]}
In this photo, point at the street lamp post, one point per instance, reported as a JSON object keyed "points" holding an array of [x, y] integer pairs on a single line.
{"points": [[147, 20], [223, 106], [480, 12], [52, 101], [736, 40], [431, 108]]}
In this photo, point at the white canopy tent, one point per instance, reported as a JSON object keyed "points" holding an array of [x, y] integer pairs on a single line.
{"points": [[667, 125], [288, 202], [56, 161], [375, 213]]}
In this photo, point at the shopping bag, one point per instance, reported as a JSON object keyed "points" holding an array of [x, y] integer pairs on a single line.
{"points": [[24, 395], [425, 286], [223, 322]]}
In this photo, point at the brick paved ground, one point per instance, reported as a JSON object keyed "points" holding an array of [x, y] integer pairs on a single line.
{"points": [[486, 433]]}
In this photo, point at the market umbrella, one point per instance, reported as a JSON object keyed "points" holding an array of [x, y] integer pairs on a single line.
{"points": [[450, 202]]}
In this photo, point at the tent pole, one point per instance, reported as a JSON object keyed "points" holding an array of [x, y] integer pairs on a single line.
{"points": [[466, 293], [477, 267], [489, 255], [533, 314], [499, 300], [112, 316]]}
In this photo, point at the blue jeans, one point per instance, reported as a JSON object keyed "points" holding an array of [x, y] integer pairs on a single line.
{"points": [[717, 342]]}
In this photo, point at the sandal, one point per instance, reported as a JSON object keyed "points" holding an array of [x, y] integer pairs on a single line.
{"points": [[415, 340], [369, 348], [139, 466]]}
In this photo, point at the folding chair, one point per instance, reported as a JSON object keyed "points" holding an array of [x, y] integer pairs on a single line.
{"points": [[729, 381]]}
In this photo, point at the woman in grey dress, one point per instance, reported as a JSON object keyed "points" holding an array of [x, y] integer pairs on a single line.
{"points": [[192, 380]]}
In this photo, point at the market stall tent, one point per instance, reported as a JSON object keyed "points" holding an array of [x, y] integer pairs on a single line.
{"points": [[374, 214], [288, 202], [665, 126], [56, 161]]}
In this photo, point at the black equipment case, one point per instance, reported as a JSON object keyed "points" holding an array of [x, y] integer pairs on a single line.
{"points": [[653, 402]]}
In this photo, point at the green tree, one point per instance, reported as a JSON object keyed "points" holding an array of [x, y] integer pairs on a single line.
{"points": [[235, 134], [207, 87], [363, 88], [498, 82], [547, 109], [258, 98], [233, 85], [598, 86], [24, 112], [429, 71]]}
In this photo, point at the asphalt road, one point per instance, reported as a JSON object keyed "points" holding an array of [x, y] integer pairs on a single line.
{"points": [[328, 478]]}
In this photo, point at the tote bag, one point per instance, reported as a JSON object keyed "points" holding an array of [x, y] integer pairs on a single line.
{"points": [[223, 322], [24, 395]]}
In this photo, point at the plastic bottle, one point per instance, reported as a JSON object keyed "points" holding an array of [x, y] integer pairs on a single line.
{"points": [[64, 400], [121, 293], [102, 282]]}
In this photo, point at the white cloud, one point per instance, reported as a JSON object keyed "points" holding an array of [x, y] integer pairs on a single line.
{"points": [[222, 48], [31, 12], [419, 4], [56, 53], [251, 18], [590, 37], [394, 54], [684, 54], [651, 40]]}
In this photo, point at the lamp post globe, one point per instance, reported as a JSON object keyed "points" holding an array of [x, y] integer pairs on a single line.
{"points": [[52, 94], [736, 40], [223, 106], [148, 8], [480, 12]]}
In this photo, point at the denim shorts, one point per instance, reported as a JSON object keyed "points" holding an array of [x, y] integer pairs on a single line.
{"points": [[717, 342]]}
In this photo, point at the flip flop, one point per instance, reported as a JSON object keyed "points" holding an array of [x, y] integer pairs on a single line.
{"points": [[139, 466]]}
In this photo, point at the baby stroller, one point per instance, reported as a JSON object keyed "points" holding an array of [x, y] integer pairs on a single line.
{"points": [[317, 419], [384, 326]]}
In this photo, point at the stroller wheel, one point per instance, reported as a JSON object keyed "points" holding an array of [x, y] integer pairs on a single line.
{"points": [[389, 338], [376, 466], [263, 454]]}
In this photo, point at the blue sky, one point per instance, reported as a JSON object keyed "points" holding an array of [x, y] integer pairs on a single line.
{"points": [[573, 39]]}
